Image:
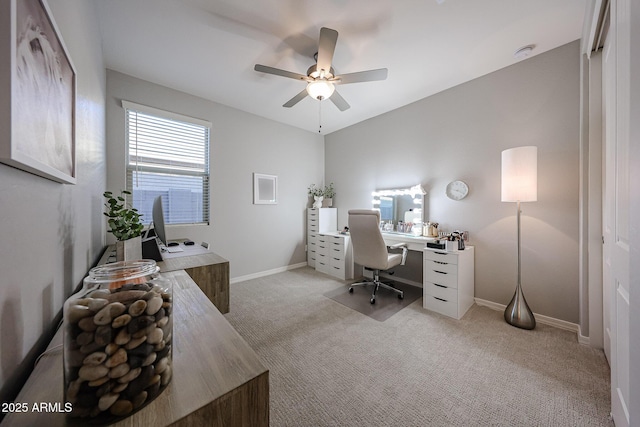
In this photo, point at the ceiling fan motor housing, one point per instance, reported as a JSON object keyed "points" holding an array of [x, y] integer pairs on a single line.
{"points": [[314, 73]]}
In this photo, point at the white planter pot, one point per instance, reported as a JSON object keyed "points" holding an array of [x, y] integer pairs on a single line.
{"points": [[318, 202], [127, 250]]}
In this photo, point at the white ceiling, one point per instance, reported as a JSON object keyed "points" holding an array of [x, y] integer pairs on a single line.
{"points": [[208, 48]]}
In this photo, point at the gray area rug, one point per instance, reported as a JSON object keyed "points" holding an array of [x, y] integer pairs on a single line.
{"points": [[387, 302], [333, 366]]}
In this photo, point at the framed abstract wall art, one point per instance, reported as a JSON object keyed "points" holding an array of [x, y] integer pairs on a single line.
{"points": [[37, 93], [265, 189]]}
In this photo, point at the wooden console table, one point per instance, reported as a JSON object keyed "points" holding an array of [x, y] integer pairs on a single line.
{"points": [[209, 270], [218, 379]]}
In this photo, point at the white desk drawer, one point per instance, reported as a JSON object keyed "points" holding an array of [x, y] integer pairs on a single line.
{"points": [[440, 291], [441, 256], [337, 271], [442, 276], [440, 305], [336, 252], [336, 262], [323, 266], [430, 265]]}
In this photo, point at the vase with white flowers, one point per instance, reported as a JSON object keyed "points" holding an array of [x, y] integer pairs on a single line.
{"points": [[318, 195]]}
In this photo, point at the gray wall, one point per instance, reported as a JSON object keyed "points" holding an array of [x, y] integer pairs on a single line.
{"points": [[53, 233], [459, 134], [254, 238]]}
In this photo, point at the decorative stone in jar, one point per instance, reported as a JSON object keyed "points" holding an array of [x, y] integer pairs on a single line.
{"points": [[117, 341]]}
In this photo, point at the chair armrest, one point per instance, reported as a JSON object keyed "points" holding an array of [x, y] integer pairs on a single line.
{"points": [[405, 250], [397, 246]]}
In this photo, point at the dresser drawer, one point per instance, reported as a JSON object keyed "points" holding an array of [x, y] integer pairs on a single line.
{"points": [[322, 265], [335, 261], [440, 305], [445, 267], [442, 276], [336, 252], [441, 256], [440, 291], [335, 240], [337, 271]]}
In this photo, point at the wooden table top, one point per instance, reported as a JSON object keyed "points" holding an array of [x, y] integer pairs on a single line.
{"points": [[210, 359]]}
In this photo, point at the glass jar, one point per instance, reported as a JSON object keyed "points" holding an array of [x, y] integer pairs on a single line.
{"points": [[117, 341]]}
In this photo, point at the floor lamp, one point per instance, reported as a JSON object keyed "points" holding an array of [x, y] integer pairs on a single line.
{"points": [[520, 184]]}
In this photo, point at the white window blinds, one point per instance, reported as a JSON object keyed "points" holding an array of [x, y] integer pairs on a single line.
{"points": [[168, 156]]}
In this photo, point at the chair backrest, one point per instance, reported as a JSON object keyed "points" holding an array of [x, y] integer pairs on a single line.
{"points": [[369, 248]]}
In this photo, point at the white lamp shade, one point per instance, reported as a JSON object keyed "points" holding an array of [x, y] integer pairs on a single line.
{"points": [[520, 174], [320, 89]]}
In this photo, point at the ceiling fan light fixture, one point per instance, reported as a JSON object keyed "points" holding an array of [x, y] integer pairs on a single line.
{"points": [[320, 89]]}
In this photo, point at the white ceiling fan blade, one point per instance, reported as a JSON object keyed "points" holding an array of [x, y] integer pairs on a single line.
{"points": [[361, 76], [293, 101], [326, 48], [339, 101], [279, 72]]}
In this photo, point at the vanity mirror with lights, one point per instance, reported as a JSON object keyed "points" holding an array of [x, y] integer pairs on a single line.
{"points": [[401, 209]]}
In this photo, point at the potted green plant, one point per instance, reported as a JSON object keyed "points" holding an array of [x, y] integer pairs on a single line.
{"points": [[328, 193], [125, 224]]}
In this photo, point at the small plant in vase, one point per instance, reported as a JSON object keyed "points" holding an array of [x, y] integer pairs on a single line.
{"points": [[317, 193], [328, 194], [125, 224]]}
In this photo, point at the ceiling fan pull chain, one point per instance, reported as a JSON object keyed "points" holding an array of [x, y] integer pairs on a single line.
{"points": [[320, 117]]}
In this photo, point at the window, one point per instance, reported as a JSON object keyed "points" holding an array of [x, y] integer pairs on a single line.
{"points": [[168, 155]]}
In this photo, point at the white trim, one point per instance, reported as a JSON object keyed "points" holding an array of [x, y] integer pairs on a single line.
{"points": [[267, 272], [546, 320], [128, 105], [584, 340]]}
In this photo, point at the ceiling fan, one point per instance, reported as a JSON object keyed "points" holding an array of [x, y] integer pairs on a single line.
{"points": [[321, 78]]}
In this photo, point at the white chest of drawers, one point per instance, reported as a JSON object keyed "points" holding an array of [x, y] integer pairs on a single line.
{"points": [[334, 255], [448, 282], [319, 221], [327, 250]]}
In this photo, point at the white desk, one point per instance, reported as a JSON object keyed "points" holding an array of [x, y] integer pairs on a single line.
{"points": [[414, 243]]}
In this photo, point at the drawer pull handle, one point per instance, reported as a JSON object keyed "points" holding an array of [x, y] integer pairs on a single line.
{"points": [[441, 253], [440, 262], [440, 299], [440, 272], [441, 286]]}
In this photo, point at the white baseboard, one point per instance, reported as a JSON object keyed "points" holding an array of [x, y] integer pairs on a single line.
{"points": [[560, 324], [267, 272], [583, 339]]}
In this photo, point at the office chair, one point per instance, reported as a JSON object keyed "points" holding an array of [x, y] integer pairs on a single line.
{"points": [[370, 250]]}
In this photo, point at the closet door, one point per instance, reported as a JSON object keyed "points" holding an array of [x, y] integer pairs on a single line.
{"points": [[616, 74]]}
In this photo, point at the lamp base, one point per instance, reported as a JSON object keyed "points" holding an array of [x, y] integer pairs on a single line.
{"points": [[518, 313]]}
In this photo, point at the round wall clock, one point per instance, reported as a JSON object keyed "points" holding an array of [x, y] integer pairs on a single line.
{"points": [[457, 190]]}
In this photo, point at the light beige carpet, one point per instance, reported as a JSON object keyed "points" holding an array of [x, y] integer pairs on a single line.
{"points": [[333, 366]]}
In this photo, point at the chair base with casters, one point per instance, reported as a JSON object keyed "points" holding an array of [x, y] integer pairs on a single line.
{"points": [[377, 284]]}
